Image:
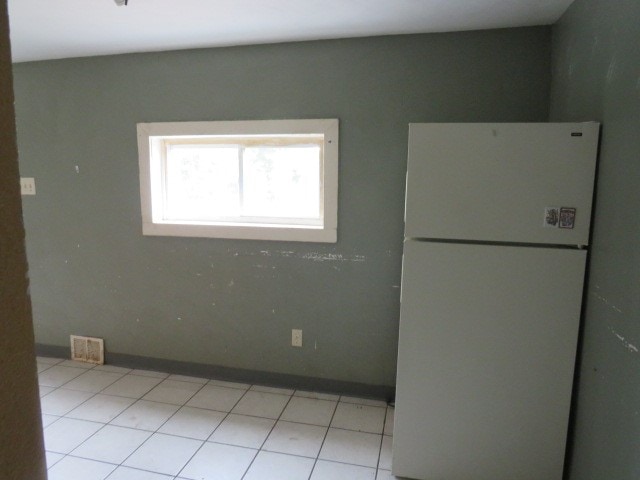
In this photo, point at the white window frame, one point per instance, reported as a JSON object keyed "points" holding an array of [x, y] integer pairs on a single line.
{"points": [[151, 136]]}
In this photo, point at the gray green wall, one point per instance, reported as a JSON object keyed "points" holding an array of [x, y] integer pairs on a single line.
{"points": [[234, 303], [21, 446], [596, 76]]}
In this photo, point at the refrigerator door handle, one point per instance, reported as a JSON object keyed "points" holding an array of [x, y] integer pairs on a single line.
{"points": [[406, 185], [401, 276]]}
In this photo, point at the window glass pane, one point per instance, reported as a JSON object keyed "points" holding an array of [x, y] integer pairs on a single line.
{"points": [[201, 182], [282, 182]]}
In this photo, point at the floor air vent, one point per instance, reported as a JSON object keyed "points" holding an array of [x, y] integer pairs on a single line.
{"points": [[87, 349]]}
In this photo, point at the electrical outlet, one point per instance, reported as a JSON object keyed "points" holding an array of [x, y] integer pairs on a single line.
{"points": [[27, 185], [296, 338]]}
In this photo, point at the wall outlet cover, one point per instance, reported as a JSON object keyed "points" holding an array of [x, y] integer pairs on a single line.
{"points": [[296, 338]]}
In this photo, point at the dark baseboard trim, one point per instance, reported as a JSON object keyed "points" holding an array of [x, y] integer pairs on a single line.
{"points": [[55, 351], [299, 382]]}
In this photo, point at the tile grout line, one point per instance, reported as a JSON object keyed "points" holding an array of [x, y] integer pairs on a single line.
{"points": [[384, 423], [109, 423], [159, 427], [95, 394], [315, 462], [77, 406], [216, 428], [267, 436]]}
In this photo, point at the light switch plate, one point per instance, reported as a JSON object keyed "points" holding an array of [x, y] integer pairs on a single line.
{"points": [[27, 185]]}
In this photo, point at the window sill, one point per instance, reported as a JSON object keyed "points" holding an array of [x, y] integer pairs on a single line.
{"points": [[292, 233]]}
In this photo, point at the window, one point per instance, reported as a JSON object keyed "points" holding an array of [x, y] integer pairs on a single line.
{"points": [[267, 180]]}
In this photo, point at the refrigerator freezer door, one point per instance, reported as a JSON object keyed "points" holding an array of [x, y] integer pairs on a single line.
{"points": [[485, 361], [500, 182]]}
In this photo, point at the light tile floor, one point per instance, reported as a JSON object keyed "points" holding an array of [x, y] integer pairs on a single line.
{"points": [[113, 423]]}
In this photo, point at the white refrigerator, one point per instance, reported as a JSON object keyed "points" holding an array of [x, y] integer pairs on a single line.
{"points": [[497, 224]]}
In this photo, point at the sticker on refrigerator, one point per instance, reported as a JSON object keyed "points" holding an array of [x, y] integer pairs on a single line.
{"points": [[567, 217], [551, 217]]}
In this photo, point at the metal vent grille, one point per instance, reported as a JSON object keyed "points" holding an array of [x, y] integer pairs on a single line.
{"points": [[87, 349]]}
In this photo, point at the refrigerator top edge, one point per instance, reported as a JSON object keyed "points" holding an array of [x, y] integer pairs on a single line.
{"points": [[591, 124], [528, 183]]}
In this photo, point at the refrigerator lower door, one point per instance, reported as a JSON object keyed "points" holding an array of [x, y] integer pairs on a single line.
{"points": [[485, 362]]}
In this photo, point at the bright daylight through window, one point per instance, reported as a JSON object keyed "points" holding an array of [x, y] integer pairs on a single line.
{"points": [[268, 180]]}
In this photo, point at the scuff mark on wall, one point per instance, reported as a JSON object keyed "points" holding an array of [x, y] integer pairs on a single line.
{"points": [[321, 257], [313, 256], [629, 346], [605, 301], [594, 43], [332, 257], [611, 71]]}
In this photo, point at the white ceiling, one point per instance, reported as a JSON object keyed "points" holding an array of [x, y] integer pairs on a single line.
{"points": [[48, 29]]}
